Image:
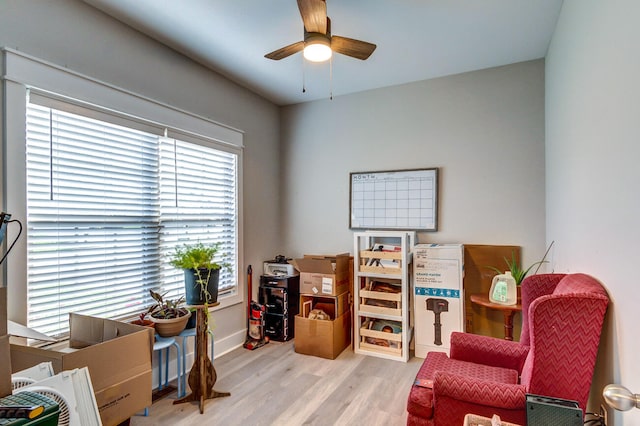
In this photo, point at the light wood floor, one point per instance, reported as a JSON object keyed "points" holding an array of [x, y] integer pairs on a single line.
{"points": [[273, 385]]}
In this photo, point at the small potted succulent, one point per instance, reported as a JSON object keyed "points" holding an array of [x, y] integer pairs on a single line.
{"points": [[201, 271], [143, 321], [517, 272], [169, 317], [513, 266]]}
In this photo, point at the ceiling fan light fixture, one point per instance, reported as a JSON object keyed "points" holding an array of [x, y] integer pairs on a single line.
{"points": [[317, 48], [318, 44]]}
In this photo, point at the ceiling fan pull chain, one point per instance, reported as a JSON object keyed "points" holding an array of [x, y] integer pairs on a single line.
{"points": [[304, 89], [331, 78]]}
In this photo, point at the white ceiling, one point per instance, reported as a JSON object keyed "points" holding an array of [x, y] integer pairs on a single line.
{"points": [[416, 39]]}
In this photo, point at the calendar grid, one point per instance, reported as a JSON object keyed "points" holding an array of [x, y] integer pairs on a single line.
{"points": [[405, 199]]}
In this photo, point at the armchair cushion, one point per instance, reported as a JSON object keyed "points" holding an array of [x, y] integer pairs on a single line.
{"points": [[488, 351], [420, 401], [479, 391], [455, 396]]}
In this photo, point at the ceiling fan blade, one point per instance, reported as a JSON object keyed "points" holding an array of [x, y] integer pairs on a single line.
{"points": [[351, 47], [314, 15], [289, 50]]}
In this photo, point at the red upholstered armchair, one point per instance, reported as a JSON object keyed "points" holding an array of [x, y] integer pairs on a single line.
{"points": [[562, 318]]}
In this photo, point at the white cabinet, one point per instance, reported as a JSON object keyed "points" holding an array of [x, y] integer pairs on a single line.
{"points": [[382, 273]]}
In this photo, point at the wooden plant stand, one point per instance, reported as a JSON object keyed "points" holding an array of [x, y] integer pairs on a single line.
{"points": [[202, 376]]}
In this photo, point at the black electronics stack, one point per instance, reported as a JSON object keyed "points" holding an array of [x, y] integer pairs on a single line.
{"points": [[546, 410], [279, 292]]}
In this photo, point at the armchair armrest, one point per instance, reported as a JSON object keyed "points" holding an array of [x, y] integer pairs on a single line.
{"points": [[477, 391], [488, 351]]}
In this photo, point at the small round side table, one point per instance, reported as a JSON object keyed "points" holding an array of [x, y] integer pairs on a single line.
{"points": [[507, 310]]}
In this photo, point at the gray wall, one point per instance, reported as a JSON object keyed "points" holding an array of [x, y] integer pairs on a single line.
{"points": [[592, 173], [72, 34], [483, 129]]}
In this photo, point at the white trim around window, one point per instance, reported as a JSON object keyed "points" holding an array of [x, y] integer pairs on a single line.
{"points": [[22, 73]]}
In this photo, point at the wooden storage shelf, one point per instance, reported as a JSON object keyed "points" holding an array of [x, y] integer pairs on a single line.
{"points": [[366, 256], [384, 303], [395, 298], [381, 349], [393, 339], [380, 270]]}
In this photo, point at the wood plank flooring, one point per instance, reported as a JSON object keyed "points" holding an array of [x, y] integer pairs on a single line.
{"points": [[273, 385]]}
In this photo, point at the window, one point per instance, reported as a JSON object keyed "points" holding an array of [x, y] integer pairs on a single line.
{"points": [[108, 198]]}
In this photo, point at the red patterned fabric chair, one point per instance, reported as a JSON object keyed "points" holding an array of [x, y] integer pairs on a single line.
{"points": [[562, 318]]}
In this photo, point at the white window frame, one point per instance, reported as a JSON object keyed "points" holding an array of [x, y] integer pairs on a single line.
{"points": [[23, 72]]}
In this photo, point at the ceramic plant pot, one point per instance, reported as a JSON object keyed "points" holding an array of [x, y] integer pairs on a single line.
{"points": [[144, 323], [172, 326], [194, 294]]}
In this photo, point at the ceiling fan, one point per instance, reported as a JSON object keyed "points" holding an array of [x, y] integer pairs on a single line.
{"points": [[318, 43]]}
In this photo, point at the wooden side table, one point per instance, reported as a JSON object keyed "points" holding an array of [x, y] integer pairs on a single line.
{"points": [[507, 310], [202, 376]]}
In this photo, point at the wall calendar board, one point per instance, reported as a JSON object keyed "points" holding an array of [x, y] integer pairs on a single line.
{"points": [[396, 199]]}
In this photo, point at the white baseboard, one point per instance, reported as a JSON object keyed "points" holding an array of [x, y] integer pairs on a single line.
{"points": [[230, 343]]}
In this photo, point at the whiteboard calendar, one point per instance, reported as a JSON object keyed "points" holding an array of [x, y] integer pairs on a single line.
{"points": [[397, 199]]}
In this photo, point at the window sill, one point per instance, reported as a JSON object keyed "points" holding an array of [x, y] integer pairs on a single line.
{"points": [[227, 301]]}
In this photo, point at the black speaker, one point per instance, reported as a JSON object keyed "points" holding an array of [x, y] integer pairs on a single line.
{"points": [[546, 411]]}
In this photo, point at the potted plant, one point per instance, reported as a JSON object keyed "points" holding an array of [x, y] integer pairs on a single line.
{"points": [[513, 266], [201, 271], [517, 272], [143, 321], [169, 317]]}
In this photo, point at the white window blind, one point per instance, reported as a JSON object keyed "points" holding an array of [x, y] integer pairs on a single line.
{"points": [[198, 203], [106, 203]]}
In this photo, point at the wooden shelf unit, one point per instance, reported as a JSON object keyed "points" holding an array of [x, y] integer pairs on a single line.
{"points": [[392, 268]]}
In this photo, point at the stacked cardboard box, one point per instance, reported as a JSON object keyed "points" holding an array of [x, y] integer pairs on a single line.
{"points": [[325, 283], [323, 275], [117, 354]]}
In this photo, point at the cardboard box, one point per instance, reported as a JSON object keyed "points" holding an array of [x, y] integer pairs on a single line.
{"points": [[334, 306], [117, 354], [3, 311], [322, 338], [323, 275], [438, 271], [122, 400], [474, 420], [5, 367]]}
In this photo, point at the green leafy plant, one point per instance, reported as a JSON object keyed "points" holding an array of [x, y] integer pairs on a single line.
{"points": [[197, 256], [518, 273], [166, 308]]}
